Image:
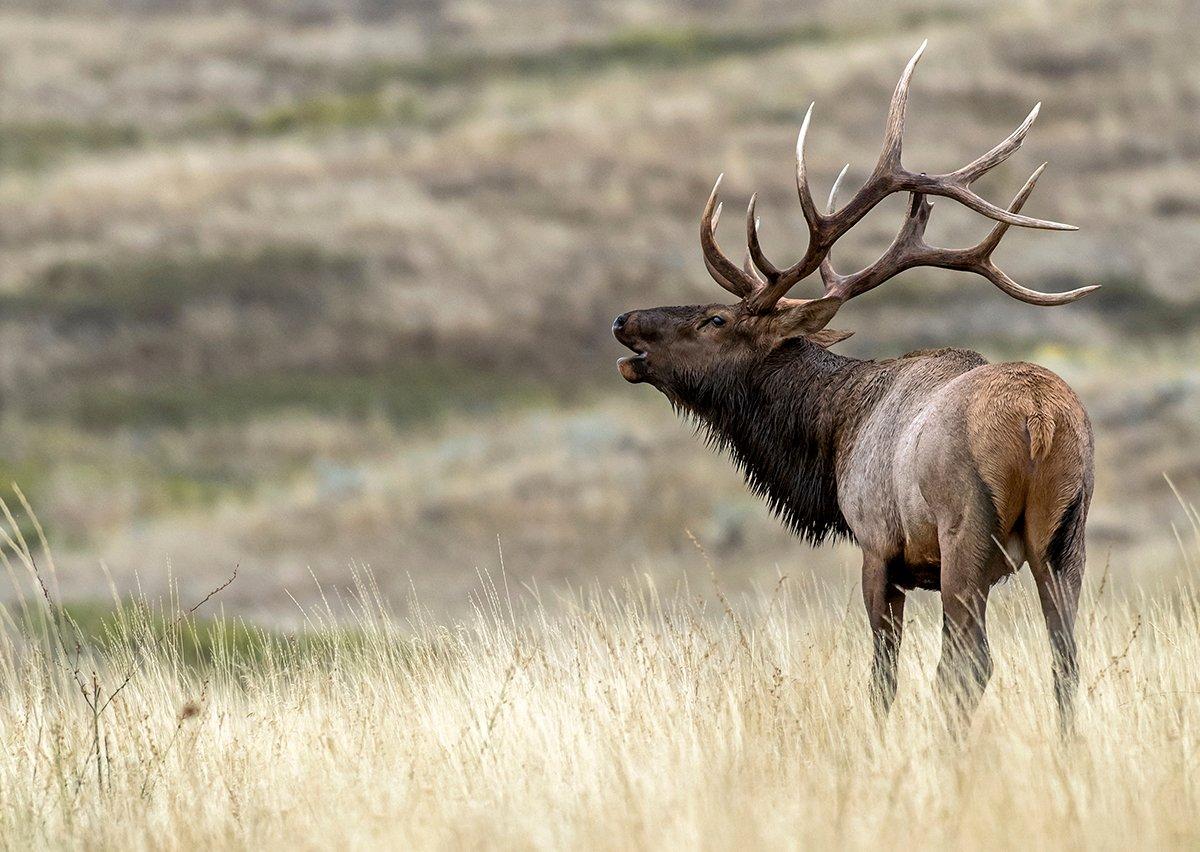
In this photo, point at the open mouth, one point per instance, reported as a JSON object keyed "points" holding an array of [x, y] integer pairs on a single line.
{"points": [[633, 367]]}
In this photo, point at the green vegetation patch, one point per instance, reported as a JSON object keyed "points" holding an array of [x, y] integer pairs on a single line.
{"points": [[405, 395], [156, 289], [31, 145], [317, 113], [642, 47], [1131, 304], [194, 640]]}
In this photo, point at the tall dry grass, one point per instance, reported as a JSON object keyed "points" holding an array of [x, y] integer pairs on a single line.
{"points": [[640, 718]]}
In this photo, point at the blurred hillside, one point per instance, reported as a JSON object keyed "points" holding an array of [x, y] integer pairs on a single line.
{"points": [[298, 283]]}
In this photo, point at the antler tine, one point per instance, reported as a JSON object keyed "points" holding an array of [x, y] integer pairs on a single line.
{"points": [[957, 184], [993, 273], [753, 247], [749, 269], [989, 243], [888, 176], [827, 272], [806, 200], [904, 253], [719, 266], [893, 134], [977, 168], [833, 191], [909, 249], [752, 224], [825, 229]]}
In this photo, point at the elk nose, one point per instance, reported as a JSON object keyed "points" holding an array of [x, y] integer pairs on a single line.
{"points": [[620, 321]]}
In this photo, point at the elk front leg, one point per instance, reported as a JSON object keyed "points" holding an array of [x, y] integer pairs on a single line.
{"points": [[885, 612]]}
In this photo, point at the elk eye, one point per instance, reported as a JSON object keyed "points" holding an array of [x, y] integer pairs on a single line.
{"points": [[716, 321]]}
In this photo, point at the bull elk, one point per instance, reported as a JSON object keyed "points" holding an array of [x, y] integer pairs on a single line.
{"points": [[949, 472]]}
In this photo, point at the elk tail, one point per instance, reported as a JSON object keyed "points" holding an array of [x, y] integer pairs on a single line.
{"points": [[1041, 434]]}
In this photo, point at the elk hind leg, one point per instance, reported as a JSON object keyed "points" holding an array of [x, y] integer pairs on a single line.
{"points": [[1058, 571]]}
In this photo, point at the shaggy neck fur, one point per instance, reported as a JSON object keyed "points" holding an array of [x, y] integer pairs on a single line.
{"points": [[786, 421]]}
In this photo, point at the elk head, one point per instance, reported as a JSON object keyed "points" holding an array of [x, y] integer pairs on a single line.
{"points": [[677, 348]]}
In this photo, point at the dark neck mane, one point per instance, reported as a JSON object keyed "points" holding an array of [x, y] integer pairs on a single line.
{"points": [[785, 423]]}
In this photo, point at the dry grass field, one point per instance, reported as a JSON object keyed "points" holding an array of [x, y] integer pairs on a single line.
{"points": [[648, 717], [321, 289]]}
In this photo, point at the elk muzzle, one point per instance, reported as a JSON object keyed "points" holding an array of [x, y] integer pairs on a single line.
{"points": [[625, 330]]}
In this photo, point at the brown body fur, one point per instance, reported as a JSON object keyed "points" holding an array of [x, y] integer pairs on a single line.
{"points": [[990, 467], [948, 472]]}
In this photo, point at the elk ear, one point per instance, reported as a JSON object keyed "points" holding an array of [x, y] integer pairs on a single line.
{"points": [[827, 337], [807, 318]]}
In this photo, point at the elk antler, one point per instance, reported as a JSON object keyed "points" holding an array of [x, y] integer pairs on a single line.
{"points": [[762, 292], [909, 249]]}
